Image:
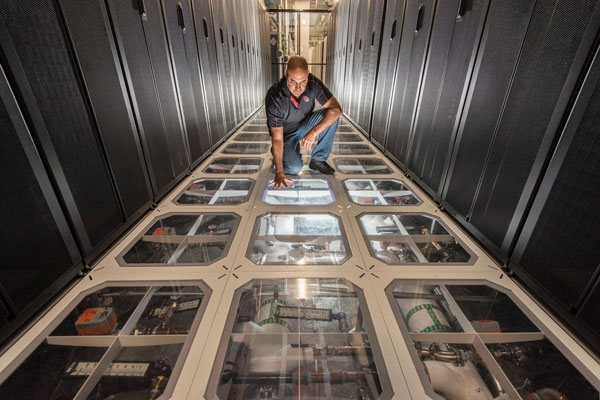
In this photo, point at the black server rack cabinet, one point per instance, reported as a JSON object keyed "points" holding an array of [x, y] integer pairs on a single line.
{"points": [[390, 44], [264, 54], [238, 42], [242, 13], [105, 106], [529, 65], [39, 253], [207, 51], [455, 38], [341, 34], [224, 63], [330, 38], [51, 91], [263, 47], [360, 45], [95, 52], [344, 55], [409, 74], [142, 41], [347, 88], [251, 75], [257, 48], [249, 28], [237, 91], [332, 46], [188, 77], [371, 45], [557, 252]]}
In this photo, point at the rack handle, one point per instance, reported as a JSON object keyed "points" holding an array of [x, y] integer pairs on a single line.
{"points": [[465, 6], [420, 18], [180, 17], [205, 28], [142, 8]]}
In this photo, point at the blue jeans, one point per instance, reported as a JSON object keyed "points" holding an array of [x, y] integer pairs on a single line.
{"points": [[292, 159]]}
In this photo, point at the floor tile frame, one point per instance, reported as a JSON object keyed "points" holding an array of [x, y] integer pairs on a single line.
{"points": [[234, 270]]}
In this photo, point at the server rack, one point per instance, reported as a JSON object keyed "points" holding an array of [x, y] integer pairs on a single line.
{"points": [[207, 42], [390, 44], [455, 37], [120, 99], [411, 61], [182, 46]]}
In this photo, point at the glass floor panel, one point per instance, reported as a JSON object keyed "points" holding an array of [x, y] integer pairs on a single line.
{"points": [[216, 192], [246, 148], [345, 128], [102, 313], [537, 368], [155, 364], [252, 137], [347, 149], [361, 166], [198, 239], [233, 165], [297, 338], [49, 372], [305, 171], [139, 368], [300, 338], [488, 324], [300, 192], [255, 128], [410, 238], [379, 192], [457, 368], [298, 239], [346, 137], [169, 311]]}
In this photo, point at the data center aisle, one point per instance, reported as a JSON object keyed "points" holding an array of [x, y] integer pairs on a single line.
{"points": [[347, 286]]}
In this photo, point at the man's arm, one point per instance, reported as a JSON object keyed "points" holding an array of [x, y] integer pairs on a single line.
{"points": [[277, 150], [334, 111]]}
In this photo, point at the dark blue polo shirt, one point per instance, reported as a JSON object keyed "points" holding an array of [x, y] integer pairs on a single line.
{"points": [[283, 110]]}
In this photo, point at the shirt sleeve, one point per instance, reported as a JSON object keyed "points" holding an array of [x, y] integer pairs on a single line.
{"points": [[273, 108], [322, 94]]}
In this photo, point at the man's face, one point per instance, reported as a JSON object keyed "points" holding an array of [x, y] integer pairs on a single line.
{"points": [[296, 81]]}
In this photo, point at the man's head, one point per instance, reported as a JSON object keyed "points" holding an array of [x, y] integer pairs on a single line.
{"points": [[297, 75]]}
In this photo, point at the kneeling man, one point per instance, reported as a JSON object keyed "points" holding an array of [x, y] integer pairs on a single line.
{"points": [[293, 124]]}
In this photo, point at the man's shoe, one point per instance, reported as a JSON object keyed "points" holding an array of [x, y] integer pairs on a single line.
{"points": [[321, 166]]}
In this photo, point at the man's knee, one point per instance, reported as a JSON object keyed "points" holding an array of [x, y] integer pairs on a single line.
{"points": [[292, 169]]}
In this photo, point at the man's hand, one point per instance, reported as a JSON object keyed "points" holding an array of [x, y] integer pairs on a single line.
{"points": [[308, 140], [280, 181]]}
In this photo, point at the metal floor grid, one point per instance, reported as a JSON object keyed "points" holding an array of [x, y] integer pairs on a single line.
{"points": [[371, 259]]}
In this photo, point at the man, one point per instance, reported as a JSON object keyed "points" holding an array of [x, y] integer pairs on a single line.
{"points": [[293, 124]]}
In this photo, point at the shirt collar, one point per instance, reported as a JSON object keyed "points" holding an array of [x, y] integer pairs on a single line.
{"points": [[284, 88]]}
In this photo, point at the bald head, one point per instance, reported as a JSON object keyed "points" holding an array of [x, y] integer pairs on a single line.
{"points": [[297, 75], [297, 62]]}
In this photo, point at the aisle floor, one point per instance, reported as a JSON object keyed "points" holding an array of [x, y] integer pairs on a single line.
{"points": [[233, 288]]}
